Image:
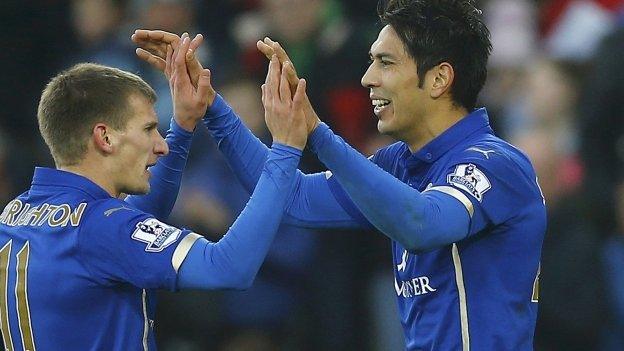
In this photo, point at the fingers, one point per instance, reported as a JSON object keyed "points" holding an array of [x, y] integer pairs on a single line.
{"points": [[263, 88], [269, 47], [155, 41], [273, 79], [284, 88], [195, 43], [279, 51], [300, 94], [169, 62], [192, 63], [154, 35], [265, 49], [153, 60], [291, 75], [204, 87], [179, 63]]}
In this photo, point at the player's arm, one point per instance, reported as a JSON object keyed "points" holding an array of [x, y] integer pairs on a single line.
{"points": [[147, 253], [189, 107], [236, 258], [234, 261], [312, 205], [148, 258], [420, 222]]}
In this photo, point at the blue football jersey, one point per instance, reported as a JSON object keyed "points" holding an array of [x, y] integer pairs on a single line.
{"points": [[479, 293], [77, 267]]}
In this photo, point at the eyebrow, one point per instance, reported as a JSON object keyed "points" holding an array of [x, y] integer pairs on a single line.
{"points": [[151, 125], [381, 55]]}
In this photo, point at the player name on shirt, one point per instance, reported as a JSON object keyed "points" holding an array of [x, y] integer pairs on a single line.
{"points": [[17, 213]]}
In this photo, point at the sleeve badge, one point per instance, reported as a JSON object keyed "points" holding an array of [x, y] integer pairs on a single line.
{"points": [[156, 234], [469, 178]]}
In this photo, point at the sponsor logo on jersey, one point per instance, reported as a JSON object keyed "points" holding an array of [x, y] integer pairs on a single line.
{"points": [[156, 234], [470, 178], [485, 153], [413, 287]]}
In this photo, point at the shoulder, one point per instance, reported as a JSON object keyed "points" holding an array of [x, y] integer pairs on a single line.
{"points": [[491, 163], [495, 155], [111, 213]]}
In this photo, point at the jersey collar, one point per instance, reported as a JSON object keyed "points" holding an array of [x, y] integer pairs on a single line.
{"points": [[54, 177], [473, 122]]}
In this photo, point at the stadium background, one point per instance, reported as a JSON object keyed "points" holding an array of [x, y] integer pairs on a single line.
{"points": [[555, 89]]}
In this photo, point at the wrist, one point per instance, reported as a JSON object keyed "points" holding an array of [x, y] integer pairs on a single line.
{"points": [[188, 125], [291, 144], [176, 128]]}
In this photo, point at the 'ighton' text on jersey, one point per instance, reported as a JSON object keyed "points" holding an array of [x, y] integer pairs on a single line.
{"points": [[17, 213]]}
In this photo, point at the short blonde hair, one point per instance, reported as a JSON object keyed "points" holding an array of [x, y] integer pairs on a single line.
{"points": [[80, 97]]}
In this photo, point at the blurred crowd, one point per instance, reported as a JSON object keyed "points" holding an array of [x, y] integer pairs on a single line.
{"points": [[555, 89]]}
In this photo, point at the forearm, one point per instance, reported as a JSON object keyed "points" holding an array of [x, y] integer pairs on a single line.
{"points": [[311, 204], [233, 261], [244, 152], [166, 175], [418, 222]]}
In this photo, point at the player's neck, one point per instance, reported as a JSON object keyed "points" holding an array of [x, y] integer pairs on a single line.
{"points": [[436, 122], [96, 174]]}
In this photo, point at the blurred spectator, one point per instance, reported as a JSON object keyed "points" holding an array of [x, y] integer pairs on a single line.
{"points": [[326, 47], [603, 150], [97, 26]]}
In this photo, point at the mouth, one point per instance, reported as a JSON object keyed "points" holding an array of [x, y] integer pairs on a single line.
{"points": [[149, 165], [380, 105]]}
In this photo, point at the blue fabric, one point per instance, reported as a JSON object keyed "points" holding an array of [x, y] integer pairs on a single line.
{"points": [[311, 205], [405, 195], [88, 252], [233, 261], [166, 175], [393, 207], [499, 257]]}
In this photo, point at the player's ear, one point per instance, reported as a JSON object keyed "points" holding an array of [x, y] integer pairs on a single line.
{"points": [[102, 138], [443, 76]]}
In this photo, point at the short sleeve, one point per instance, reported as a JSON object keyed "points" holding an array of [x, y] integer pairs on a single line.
{"points": [[494, 187], [120, 244]]}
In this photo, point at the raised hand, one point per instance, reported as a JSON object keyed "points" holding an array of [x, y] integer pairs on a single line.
{"points": [[272, 48], [283, 113], [189, 101], [152, 48]]}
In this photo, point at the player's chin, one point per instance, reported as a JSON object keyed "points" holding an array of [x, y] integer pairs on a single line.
{"points": [[384, 127], [138, 189]]}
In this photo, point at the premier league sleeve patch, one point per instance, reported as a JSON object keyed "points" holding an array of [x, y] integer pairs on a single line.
{"points": [[469, 178], [156, 234]]}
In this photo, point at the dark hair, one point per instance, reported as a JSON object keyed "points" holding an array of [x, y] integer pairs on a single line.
{"points": [[436, 31], [78, 98]]}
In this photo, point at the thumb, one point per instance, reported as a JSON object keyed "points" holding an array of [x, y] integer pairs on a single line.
{"points": [[204, 86]]}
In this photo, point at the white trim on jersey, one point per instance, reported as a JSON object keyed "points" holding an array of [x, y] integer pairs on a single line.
{"points": [[145, 321], [461, 291], [182, 250], [457, 195]]}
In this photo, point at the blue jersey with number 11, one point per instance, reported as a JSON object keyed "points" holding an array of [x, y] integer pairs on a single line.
{"points": [[77, 267]]}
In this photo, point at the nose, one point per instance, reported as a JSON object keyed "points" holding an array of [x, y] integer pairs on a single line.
{"points": [[370, 79], [161, 148]]}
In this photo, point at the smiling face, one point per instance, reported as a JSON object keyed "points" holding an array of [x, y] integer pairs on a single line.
{"points": [[393, 82], [137, 147]]}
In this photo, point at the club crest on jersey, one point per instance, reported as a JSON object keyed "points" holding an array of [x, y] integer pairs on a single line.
{"points": [[156, 234], [468, 177]]}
